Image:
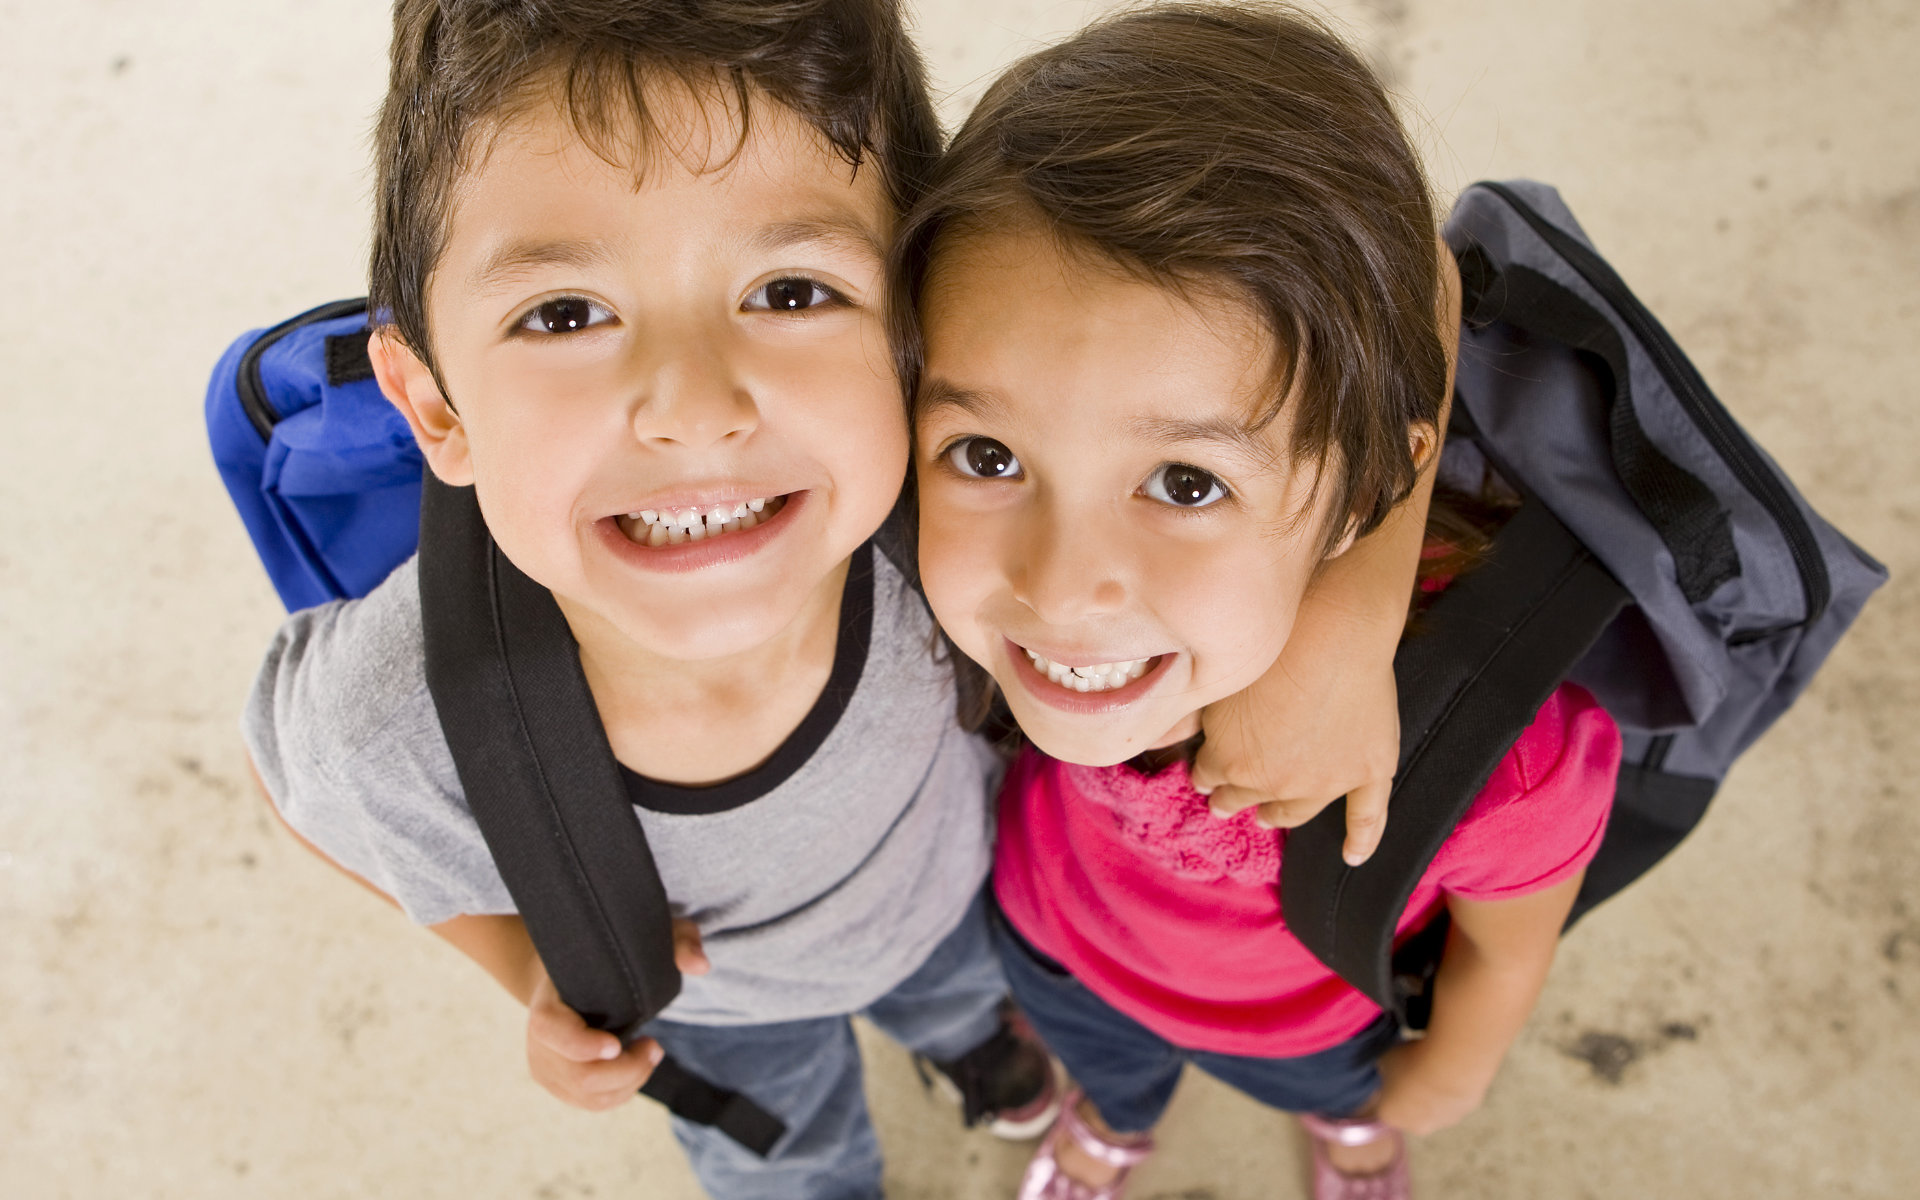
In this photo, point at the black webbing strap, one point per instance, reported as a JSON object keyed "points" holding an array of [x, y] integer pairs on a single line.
{"points": [[694, 1099], [1684, 511], [533, 759], [1490, 651]]}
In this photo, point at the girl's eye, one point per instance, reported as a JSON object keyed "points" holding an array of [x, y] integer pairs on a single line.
{"points": [[1184, 486], [789, 295], [566, 314], [983, 458]]}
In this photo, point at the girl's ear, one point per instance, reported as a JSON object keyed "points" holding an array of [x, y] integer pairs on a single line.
{"points": [[1423, 441], [1347, 538], [410, 386]]}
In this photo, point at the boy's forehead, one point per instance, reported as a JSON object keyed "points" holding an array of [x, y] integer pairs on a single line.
{"points": [[539, 173]]}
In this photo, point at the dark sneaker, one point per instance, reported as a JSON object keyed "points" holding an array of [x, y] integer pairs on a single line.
{"points": [[1005, 1083]]}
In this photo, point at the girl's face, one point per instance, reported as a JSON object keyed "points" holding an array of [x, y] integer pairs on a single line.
{"points": [[1100, 528]]}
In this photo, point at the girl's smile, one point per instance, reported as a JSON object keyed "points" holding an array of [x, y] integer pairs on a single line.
{"points": [[1105, 525]]}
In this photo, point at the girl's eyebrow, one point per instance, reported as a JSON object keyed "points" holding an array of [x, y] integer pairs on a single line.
{"points": [[1228, 434], [939, 393]]}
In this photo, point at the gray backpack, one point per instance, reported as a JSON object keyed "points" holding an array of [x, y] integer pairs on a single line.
{"points": [[1659, 558]]}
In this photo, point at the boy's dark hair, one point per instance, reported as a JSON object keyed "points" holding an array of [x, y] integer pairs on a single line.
{"points": [[1235, 146], [847, 67]]}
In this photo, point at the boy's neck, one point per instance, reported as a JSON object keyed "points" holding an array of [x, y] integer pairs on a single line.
{"points": [[703, 721]]}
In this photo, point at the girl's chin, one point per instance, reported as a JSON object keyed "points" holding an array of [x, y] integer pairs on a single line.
{"points": [[1089, 740]]}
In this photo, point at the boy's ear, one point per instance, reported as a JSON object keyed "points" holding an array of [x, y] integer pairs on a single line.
{"points": [[411, 387]]}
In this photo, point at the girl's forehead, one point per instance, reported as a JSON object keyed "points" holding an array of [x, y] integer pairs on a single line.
{"points": [[1019, 317]]}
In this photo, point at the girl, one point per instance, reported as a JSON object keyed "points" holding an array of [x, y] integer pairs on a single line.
{"points": [[1178, 350]]}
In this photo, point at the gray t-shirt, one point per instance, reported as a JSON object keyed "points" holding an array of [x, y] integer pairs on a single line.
{"points": [[818, 882]]}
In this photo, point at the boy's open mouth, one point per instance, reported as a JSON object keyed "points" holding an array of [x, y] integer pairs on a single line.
{"points": [[1099, 677], [675, 527]]}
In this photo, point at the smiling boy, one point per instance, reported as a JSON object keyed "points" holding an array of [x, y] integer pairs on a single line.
{"points": [[629, 261]]}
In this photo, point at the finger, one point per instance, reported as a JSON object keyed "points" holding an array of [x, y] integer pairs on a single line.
{"points": [[1203, 776], [1288, 814], [561, 1030], [599, 1084], [1366, 820], [1227, 800], [688, 954]]}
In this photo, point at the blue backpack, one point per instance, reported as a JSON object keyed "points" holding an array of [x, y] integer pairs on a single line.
{"points": [[1658, 557]]}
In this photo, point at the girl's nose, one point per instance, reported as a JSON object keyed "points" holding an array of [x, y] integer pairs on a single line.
{"points": [[1064, 569]]}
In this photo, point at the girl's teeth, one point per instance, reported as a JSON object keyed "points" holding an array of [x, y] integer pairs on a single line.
{"points": [[756, 505], [1101, 677], [657, 536]]}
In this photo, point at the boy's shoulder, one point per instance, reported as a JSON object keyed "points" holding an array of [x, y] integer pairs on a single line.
{"points": [[345, 736], [340, 674]]}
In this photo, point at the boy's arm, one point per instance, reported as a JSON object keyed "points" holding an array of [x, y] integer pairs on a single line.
{"points": [[1490, 977], [1325, 720]]}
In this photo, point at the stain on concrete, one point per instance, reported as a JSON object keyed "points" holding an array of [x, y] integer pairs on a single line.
{"points": [[1608, 1054]]}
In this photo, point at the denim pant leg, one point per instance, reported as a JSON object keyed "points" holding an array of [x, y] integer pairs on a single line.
{"points": [[1336, 1082], [1126, 1070], [951, 1003], [807, 1073]]}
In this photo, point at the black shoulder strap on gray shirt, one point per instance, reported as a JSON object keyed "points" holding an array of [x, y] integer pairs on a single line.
{"points": [[541, 779]]}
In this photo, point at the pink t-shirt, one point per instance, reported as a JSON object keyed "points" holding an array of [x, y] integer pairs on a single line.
{"points": [[1173, 916]]}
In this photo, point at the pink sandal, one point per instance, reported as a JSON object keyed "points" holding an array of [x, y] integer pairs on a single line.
{"points": [[1045, 1180], [1331, 1183]]}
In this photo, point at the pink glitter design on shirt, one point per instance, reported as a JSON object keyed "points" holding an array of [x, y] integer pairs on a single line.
{"points": [[1172, 827]]}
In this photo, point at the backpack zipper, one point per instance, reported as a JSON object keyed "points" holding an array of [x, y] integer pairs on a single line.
{"points": [[247, 383], [1709, 416]]}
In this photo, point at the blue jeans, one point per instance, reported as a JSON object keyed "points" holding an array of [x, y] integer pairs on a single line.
{"points": [[807, 1073], [1129, 1072]]}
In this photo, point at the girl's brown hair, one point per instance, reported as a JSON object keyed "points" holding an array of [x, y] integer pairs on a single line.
{"points": [[1224, 146]]}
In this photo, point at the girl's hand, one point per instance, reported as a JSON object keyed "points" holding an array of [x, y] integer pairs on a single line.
{"points": [[585, 1067], [1315, 728], [1420, 1099]]}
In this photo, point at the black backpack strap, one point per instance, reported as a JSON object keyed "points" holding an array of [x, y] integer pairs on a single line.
{"points": [[1490, 651], [534, 762]]}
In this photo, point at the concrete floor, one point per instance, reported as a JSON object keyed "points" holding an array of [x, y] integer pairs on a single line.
{"points": [[192, 1007]]}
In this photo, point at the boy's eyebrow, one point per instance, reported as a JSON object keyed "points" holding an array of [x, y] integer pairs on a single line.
{"points": [[834, 229], [517, 258]]}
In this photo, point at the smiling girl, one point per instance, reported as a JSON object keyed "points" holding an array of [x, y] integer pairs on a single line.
{"points": [[1175, 282]]}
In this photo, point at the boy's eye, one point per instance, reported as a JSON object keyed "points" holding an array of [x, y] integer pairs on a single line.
{"points": [[1184, 486], [567, 314], [789, 295], [983, 458]]}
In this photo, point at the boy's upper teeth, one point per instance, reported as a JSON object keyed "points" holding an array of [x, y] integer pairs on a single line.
{"points": [[1100, 677], [709, 518]]}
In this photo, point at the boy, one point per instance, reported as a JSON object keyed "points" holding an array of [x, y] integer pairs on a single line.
{"points": [[629, 256], [633, 275]]}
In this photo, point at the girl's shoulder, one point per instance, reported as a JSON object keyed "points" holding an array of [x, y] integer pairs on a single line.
{"points": [[1543, 812]]}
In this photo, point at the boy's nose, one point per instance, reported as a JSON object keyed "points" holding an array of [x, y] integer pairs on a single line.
{"points": [[694, 400], [1064, 570]]}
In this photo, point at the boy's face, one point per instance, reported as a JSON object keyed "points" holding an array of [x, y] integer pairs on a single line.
{"points": [[670, 387], [1091, 495]]}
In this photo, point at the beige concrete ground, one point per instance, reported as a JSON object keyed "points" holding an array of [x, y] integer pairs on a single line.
{"points": [[191, 1007]]}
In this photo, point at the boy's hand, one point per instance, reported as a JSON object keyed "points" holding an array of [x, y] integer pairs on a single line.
{"points": [[1292, 746], [588, 1068], [1420, 1099]]}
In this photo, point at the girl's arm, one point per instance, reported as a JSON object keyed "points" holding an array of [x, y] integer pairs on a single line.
{"points": [[1490, 976], [1325, 720]]}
